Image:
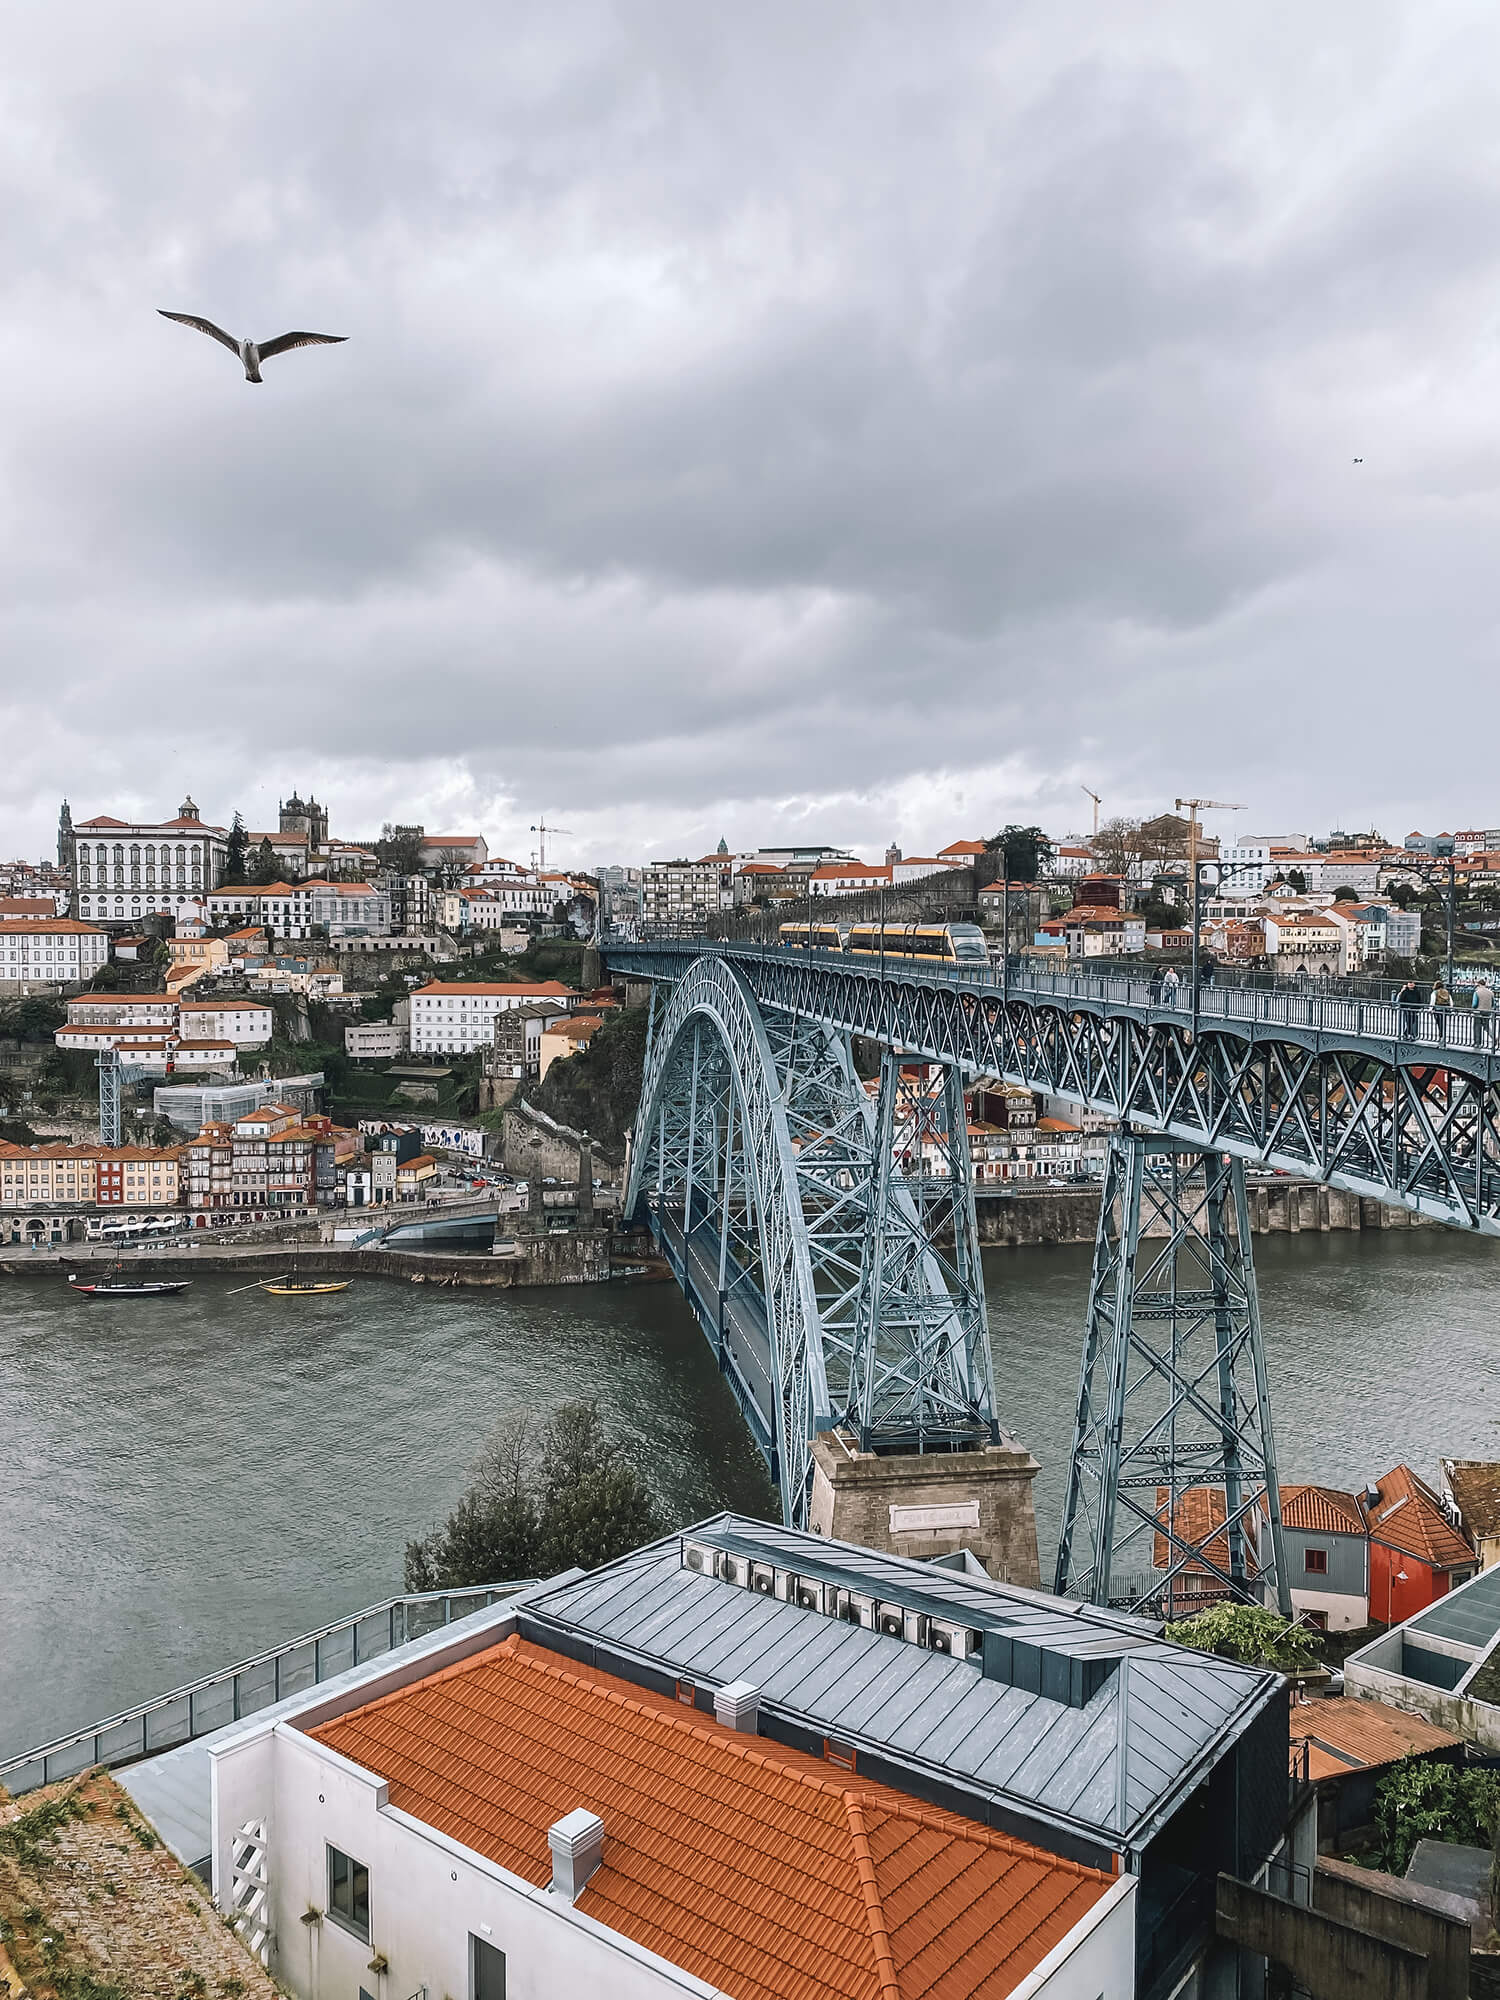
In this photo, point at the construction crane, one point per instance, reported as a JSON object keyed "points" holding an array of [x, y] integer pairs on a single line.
{"points": [[541, 830], [1195, 806], [1097, 802]]}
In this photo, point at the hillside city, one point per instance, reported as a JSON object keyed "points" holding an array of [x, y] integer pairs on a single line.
{"points": [[443, 978]]}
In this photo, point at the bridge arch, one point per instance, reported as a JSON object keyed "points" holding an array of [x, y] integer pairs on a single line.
{"points": [[681, 1105]]}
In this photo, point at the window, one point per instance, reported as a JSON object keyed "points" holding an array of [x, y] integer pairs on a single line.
{"points": [[349, 1893], [486, 1970], [1315, 1562]]}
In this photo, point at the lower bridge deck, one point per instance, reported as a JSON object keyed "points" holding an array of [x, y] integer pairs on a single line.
{"points": [[733, 1317]]}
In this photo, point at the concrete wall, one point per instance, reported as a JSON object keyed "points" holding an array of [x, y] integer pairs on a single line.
{"points": [[1096, 1960], [531, 1142]]}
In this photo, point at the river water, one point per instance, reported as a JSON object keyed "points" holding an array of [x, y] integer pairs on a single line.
{"points": [[188, 1481]]}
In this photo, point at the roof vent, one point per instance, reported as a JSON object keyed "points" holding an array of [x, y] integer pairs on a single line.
{"points": [[738, 1707], [577, 1844]]}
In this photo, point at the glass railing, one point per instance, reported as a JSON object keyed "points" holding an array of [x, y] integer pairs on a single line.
{"points": [[219, 1699]]}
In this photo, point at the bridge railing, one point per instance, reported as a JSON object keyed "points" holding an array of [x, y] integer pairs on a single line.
{"points": [[216, 1700], [1340, 1017]]}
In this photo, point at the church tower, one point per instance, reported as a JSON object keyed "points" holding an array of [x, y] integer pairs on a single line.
{"points": [[65, 839]]}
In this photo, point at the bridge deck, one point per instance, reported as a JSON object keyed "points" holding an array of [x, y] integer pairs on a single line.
{"points": [[1400, 1103]]}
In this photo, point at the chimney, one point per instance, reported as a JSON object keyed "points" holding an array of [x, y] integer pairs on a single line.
{"points": [[577, 1844], [738, 1707]]}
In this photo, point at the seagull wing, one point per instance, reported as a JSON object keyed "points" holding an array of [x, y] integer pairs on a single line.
{"points": [[284, 342], [204, 326]]}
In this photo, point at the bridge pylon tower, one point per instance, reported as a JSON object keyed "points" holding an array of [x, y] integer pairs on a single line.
{"points": [[1173, 1501]]}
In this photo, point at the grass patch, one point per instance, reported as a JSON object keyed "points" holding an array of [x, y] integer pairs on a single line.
{"points": [[30, 1835]]}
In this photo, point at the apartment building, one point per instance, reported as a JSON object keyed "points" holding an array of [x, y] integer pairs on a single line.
{"points": [[47, 951], [454, 1016], [306, 909], [246, 1023], [275, 1160], [682, 895]]}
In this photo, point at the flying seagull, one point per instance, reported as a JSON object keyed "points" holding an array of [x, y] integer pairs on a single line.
{"points": [[250, 352]]}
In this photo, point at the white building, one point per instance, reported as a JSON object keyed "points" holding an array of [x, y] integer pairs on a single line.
{"points": [[454, 1016], [248, 1024], [49, 951], [682, 895], [123, 870], [848, 878], [350, 909], [283, 907], [480, 1815], [1245, 867], [374, 1041]]}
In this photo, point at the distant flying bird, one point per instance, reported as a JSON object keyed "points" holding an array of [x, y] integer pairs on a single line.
{"points": [[250, 352], [1359, 461]]}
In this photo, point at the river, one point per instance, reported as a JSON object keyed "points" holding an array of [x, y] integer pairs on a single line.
{"points": [[186, 1482]]}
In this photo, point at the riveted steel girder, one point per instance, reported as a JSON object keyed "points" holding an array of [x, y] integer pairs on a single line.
{"points": [[761, 1162], [1353, 1093], [1173, 1499]]}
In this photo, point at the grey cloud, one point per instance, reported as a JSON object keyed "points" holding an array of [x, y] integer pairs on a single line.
{"points": [[748, 412]]}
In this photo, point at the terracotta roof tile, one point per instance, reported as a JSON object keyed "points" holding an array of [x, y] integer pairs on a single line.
{"points": [[1321, 1510], [754, 1867], [1407, 1515]]}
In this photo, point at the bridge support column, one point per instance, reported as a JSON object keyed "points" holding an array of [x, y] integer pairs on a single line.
{"points": [[925, 1504], [1173, 1448]]}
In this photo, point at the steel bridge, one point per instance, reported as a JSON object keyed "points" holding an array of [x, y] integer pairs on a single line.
{"points": [[824, 1232]]}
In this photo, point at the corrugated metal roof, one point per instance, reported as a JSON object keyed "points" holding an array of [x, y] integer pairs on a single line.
{"points": [[935, 1712]]}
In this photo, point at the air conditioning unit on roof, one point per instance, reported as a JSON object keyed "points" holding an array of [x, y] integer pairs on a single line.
{"points": [[762, 1579], [945, 1636], [733, 1569], [854, 1608], [699, 1556]]}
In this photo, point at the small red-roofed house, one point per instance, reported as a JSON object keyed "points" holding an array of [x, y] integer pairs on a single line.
{"points": [[1416, 1553]]}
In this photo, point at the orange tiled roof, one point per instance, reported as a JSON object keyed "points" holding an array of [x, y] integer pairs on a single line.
{"points": [[545, 987], [1349, 1733], [760, 1869], [1200, 1512], [1408, 1516], [1321, 1510]]}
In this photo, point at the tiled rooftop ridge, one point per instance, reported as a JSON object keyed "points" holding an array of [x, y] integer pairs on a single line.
{"points": [[750, 1864]]}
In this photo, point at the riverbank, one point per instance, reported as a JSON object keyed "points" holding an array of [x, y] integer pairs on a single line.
{"points": [[1026, 1218], [583, 1257]]}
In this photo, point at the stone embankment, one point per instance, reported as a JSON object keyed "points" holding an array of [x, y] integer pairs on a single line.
{"points": [[582, 1257], [1021, 1218]]}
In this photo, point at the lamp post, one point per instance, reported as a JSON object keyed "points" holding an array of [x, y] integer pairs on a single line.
{"points": [[1392, 1578], [1204, 872]]}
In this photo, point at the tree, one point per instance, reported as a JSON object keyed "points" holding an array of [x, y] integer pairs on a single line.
{"points": [[235, 849], [1117, 845], [1344, 894], [1297, 880], [265, 869], [1245, 1632], [540, 1500], [1016, 854], [1420, 1799]]}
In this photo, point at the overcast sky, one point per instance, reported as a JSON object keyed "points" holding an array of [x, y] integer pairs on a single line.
{"points": [[799, 421]]}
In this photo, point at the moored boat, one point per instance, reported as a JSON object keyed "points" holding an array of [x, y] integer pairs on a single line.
{"points": [[144, 1288], [307, 1288]]}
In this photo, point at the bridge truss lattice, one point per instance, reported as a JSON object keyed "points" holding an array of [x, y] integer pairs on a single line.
{"points": [[763, 1164]]}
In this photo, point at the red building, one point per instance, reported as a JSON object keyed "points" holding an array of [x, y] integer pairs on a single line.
{"points": [[1416, 1553]]}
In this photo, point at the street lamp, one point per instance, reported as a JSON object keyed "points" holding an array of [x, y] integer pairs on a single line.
{"points": [[1205, 876], [1391, 1580]]}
